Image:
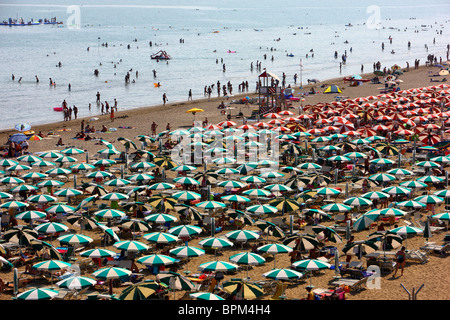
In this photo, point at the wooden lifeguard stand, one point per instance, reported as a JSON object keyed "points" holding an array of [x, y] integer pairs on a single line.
{"points": [[270, 93]]}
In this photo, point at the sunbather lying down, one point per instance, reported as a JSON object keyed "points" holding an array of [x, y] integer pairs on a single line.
{"points": [[435, 80]]}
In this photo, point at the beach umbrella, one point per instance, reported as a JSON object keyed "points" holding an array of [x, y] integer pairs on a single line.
{"points": [[99, 174], [23, 235], [160, 237], [8, 163], [51, 227], [231, 184], [74, 239], [156, 260], [210, 205], [359, 248], [336, 207], [134, 225], [141, 290], [164, 162], [246, 168], [187, 252], [186, 195], [262, 209], [41, 198], [98, 253], [68, 192], [104, 162], [366, 220], [428, 164], [430, 179], [413, 184], [442, 160], [58, 171], [131, 246], [175, 281], [186, 230], [405, 231], [13, 205], [76, 282], [31, 215], [270, 228], [357, 202], [242, 235], [400, 172], [114, 196], [411, 204], [247, 258], [71, 151], [24, 187], [310, 265], [109, 214], [442, 193], [5, 195], [65, 159], [140, 177], [187, 181], [241, 216], [111, 273], [117, 182], [51, 265], [308, 166], [242, 288], [51, 154], [253, 179], [37, 294], [274, 249], [108, 231], [160, 218], [29, 158], [82, 166], [161, 186], [235, 198], [382, 177], [256, 193], [396, 190], [300, 241], [429, 199], [283, 274], [339, 158], [205, 296], [189, 211], [285, 204], [50, 183], [18, 167], [391, 212], [142, 165], [324, 191], [277, 188], [11, 180], [216, 266]]}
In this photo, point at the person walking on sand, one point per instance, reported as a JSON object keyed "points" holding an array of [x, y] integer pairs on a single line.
{"points": [[190, 95], [165, 99], [153, 127], [111, 115], [400, 258], [75, 111]]}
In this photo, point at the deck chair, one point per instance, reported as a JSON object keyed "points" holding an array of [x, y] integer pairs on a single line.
{"points": [[433, 248], [279, 291], [421, 225], [353, 284], [417, 255]]}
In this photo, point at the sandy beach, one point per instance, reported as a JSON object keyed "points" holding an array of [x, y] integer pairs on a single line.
{"points": [[128, 124]]}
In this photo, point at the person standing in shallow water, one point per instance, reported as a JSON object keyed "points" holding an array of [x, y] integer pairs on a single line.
{"points": [[165, 99]]}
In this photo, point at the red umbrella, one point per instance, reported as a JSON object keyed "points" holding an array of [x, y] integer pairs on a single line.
{"points": [[330, 128], [409, 122], [352, 133], [276, 122], [322, 121], [246, 127], [227, 124], [315, 131], [262, 125], [431, 126], [380, 127], [290, 119], [286, 113], [429, 138], [272, 115], [367, 132], [305, 116], [372, 98]]}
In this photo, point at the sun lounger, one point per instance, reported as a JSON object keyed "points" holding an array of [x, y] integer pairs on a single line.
{"points": [[353, 284], [433, 248], [417, 255]]}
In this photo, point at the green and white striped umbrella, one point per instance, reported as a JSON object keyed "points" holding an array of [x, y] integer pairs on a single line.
{"points": [[307, 166], [104, 162], [161, 186], [227, 171], [339, 158], [382, 177], [110, 273], [51, 227], [160, 237], [99, 174], [117, 182], [330, 148], [187, 252], [253, 179], [5, 195], [247, 258], [262, 209], [186, 181], [131, 246], [51, 155], [142, 177], [73, 239], [31, 215], [41, 198], [58, 171], [405, 230], [114, 196], [311, 265], [50, 183], [108, 151], [216, 266], [11, 180], [442, 216], [37, 294], [428, 164], [256, 193], [271, 175], [18, 167], [430, 179], [142, 165], [65, 159], [399, 172], [246, 167], [321, 139], [357, 202], [210, 205], [275, 248], [365, 220], [442, 160], [156, 260], [184, 168], [82, 166], [34, 175], [391, 212], [360, 141], [24, 187], [375, 195], [13, 205], [242, 235], [382, 161], [442, 193], [205, 296], [214, 242], [235, 198], [8, 162], [60, 208], [283, 274], [186, 195], [325, 191], [29, 158], [224, 160], [336, 207], [185, 230], [68, 192], [355, 155], [397, 190], [109, 213], [76, 282], [72, 151], [411, 204], [413, 184], [51, 265], [231, 184], [278, 188], [429, 199], [98, 253], [160, 218]]}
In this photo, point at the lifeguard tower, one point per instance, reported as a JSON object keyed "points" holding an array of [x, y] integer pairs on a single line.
{"points": [[271, 98]]}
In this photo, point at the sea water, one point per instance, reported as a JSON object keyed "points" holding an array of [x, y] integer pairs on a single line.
{"points": [[197, 35]]}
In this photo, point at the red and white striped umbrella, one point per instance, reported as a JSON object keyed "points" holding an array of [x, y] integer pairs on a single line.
{"points": [[331, 129], [352, 133], [409, 113], [367, 132], [315, 131], [290, 119], [419, 119], [276, 122], [351, 116], [403, 99], [281, 129], [380, 127], [372, 98], [227, 124], [404, 132], [262, 125], [246, 127], [429, 139], [360, 99], [272, 115], [384, 118], [286, 113], [431, 126], [322, 121], [305, 116], [423, 95]]}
